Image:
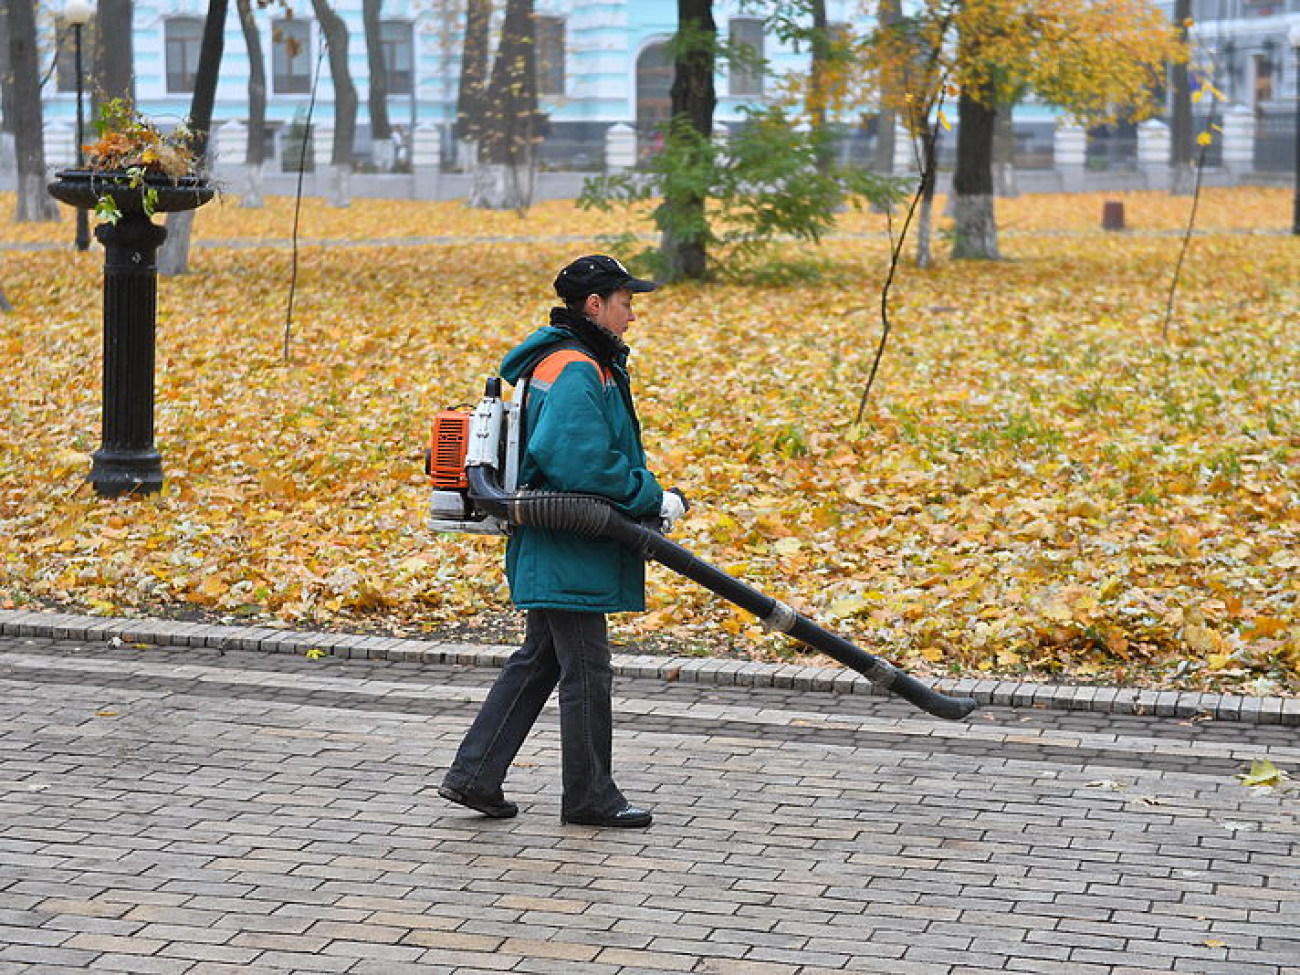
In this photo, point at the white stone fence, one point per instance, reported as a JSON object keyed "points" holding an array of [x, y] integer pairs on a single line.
{"points": [[1236, 133]]}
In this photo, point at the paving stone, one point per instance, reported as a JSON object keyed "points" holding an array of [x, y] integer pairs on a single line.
{"points": [[313, 963], [1251, 709], [263, 812], [1290, 714], [129, 964], [1230, 708], [114, 944]]}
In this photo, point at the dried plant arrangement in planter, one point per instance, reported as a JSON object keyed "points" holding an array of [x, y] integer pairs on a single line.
{"points": [[132, 153]]}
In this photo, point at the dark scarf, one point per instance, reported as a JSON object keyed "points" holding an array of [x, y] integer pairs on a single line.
{"points": [[608, 349]]}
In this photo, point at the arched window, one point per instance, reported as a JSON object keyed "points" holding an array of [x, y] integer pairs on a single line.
{"points": [[654, 85]]}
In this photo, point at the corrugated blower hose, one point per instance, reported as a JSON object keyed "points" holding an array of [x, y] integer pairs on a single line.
{"points": [[473, 463]]}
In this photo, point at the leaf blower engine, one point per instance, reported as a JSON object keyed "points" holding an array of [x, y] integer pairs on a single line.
{"points": [[473, 464], [487, 437]]}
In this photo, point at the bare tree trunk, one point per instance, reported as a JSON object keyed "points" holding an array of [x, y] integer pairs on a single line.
{"points": [[819, 85], [1004, 154], [507, 169], [888, 14], [925, 233], [383, 151], [114, 52], [255, 154], [34, 203], [7, 108], [929, 182], [471, 108], [174, 255], [975, 235], [345, 102], [882, 160], [684, 241], [6, 75], [1182, 143]]}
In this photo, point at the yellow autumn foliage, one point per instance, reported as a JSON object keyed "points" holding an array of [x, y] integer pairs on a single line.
{"points": [[1041, 487]]}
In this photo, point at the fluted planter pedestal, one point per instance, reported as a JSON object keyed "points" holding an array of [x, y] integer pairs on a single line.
{"points": [[127, 461]]}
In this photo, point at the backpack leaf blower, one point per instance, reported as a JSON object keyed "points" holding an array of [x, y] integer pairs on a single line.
{"points": [[473, 465]]}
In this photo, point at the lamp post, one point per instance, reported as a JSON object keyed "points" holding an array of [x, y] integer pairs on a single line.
{"points": [[78, 13], [1293, 36]]}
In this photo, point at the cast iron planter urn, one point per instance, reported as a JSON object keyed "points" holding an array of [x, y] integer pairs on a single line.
{"points": [[127, 462]]}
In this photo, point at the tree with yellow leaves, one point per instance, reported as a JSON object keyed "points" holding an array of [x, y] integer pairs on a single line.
{"points": [[1097, 59]]}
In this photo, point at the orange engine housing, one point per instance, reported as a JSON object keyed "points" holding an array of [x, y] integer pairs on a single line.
{"points": [[448, 443]]}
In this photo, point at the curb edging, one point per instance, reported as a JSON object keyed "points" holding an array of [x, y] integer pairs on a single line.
{"points": [[696, 670]]}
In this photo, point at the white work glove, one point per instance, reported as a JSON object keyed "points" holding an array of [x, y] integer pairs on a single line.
{"points": [[671, 508]]}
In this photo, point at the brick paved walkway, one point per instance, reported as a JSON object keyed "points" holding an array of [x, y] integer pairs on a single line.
{"points": [[196, 810]]}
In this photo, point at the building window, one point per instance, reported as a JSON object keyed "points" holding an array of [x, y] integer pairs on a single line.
{"points": [[396, 38], [182, 39], [654, 85], [291, 57], [550, 55], [746, 73]]}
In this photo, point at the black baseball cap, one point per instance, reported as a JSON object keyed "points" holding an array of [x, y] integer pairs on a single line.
{"points": [[597, 274]]}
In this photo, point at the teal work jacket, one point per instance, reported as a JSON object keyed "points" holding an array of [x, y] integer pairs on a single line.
{"points": [[582, 435]]}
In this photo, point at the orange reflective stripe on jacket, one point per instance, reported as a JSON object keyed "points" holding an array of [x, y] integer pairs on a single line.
{"points": [[549, 369]]}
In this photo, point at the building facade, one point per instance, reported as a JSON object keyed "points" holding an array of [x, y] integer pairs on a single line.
{"points": [[599, 63], [1249, 50], [606, 63]]}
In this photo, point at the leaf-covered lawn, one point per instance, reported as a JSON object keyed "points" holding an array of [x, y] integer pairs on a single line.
{"points": [[1041, 487]]}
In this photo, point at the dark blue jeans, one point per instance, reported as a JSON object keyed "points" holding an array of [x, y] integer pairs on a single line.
{"points": [[564, 649]]}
